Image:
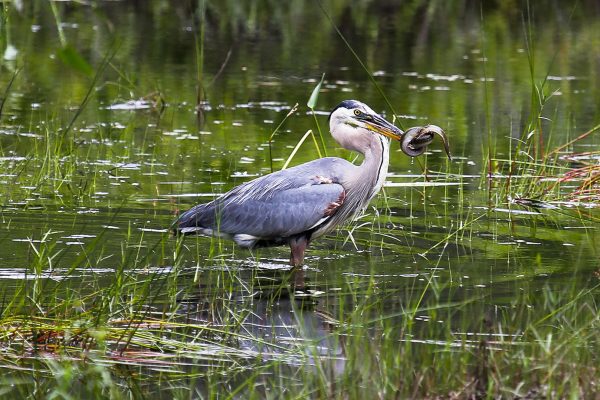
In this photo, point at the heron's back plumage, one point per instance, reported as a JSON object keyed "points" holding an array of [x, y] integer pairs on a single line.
{"points": [[269, 209]]}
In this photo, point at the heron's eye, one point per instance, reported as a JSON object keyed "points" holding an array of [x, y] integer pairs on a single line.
{"points": [[358, 113]]}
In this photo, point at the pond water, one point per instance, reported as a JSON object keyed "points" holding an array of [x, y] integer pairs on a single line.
{"points": [[119, 115]]}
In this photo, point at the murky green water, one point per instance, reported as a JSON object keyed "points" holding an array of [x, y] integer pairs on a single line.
{"points": [[96, 197]]}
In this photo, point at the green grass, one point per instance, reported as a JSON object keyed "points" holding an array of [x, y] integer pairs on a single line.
{"points": [[135, 337]]}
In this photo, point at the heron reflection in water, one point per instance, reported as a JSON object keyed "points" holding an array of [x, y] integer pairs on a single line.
{"points": [[297, 205]]}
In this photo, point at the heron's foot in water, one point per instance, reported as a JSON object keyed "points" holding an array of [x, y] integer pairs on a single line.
{"points": [[297, 280]]}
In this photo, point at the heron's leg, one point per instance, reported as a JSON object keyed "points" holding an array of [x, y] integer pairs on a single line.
{"points": [[298, 246]]}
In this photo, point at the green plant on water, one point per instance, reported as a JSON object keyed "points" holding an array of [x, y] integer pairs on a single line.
{"points": [[7, 89], [311, 104], [532, 173], [379, 349], [276, 130]]}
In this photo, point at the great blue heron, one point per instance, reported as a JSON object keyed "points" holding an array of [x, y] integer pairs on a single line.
{"points": [[299, 204]]}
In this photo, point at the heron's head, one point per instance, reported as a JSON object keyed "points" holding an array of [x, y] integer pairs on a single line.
{"points": [[352, 125]]}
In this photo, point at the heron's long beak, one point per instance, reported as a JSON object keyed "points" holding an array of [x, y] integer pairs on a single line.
{"points": [[383, 127]]}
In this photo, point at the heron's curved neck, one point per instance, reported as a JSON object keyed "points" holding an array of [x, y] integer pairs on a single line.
{"points": [[361, 182], [375, 164]]}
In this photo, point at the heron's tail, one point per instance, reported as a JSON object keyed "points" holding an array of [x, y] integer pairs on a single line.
{"points": [[191, 221]]}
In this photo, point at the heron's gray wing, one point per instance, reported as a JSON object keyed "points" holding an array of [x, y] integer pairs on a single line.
{"points": [[328, 169], [277, 205], [285, 213]]}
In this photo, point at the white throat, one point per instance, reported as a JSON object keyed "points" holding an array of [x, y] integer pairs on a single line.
{"points": [[383, 165]]}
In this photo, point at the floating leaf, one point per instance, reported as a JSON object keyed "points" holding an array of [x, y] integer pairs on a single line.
{"points": [[312, 101], [73, 59]]}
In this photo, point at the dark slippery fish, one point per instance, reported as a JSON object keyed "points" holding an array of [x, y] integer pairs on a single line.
{"points": [[414, 141]]}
